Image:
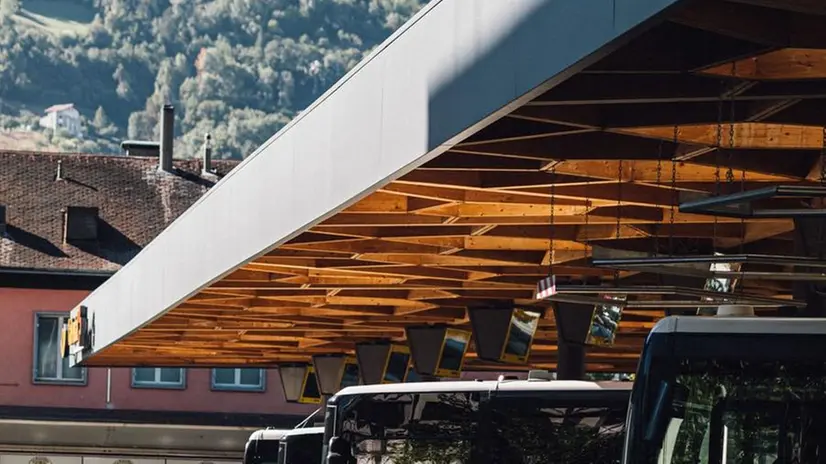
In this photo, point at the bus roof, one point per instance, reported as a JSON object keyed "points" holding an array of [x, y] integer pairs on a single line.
{"points": [[482, 385], [304, 431], [741, 325], [280, 434], [268, 434]]}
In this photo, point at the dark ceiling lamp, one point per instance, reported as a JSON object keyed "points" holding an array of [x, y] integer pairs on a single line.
{"points": [[740, 205], [717, 266], [653, 296], [744, 204]]}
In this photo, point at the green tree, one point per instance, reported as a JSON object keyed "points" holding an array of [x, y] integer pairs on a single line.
{"points": [[235, 68], [103, 126]]}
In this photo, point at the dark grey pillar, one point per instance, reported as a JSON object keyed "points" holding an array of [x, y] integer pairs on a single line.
{"points": [[571, 361], [573, 321]]}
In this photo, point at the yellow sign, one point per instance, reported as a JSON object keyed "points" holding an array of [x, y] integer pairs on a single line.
{"points": [[74, 328], [74, 336], [64, 344]]}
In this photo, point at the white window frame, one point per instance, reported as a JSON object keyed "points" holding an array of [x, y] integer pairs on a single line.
{"points": [[237, 385], [157, 383], [62, 318]]}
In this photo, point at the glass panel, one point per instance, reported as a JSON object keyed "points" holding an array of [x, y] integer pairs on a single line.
{"points": [[605, 321], [453, 351], [250, 377], [262, 452], [171, 375], [224, 376], [304, 449], [311, 387], [747, 412], [48, 336], [144, 375], [533, 429], [521, 332], [396, 366], [71, 373], [427, 427], [351, 375]]}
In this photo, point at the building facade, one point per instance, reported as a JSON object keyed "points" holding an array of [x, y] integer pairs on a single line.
{"points": [[68, 222], [63, 117]]}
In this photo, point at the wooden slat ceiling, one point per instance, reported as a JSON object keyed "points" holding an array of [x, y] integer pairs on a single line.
{"points": [[472, 227]]}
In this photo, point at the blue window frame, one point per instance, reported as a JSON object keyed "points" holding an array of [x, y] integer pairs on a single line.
{"points": [[49, 367], [239, 379], [159, 377]]}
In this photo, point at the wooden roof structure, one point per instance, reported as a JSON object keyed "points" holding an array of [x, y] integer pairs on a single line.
{"points": [[711, 85]]}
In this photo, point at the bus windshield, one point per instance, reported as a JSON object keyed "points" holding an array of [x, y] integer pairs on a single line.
{"points": [[732, 409], [466, 427], [302, 448], [261, 451]]}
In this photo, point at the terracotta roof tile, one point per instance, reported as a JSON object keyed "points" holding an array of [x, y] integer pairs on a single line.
{"points": [[136, 202], [60, 107]]}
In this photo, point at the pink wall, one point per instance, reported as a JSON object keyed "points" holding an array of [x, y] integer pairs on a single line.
{"points": [[18, 306]]}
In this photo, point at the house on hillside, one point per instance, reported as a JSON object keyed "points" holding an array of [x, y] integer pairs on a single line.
{"points": [[64, 116], [67, 223]]}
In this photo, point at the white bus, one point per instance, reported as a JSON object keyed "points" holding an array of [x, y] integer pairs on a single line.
{"points": [[479, 422], [730, 390], [262, 446], [280, 446]]}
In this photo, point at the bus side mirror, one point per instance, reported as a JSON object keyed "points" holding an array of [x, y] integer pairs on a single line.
{"points": [[339, 452]]}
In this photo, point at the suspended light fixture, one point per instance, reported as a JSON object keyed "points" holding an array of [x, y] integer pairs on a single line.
{"points": [[799, 268], [738, 205], [744, 204], [299, 383], [653, 296]]}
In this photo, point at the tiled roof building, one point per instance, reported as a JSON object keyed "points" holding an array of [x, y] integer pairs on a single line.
{"points": [[90, 213]]}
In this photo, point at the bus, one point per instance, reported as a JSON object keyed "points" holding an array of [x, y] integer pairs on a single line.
{"points": [[480, 422], [730, 390], [262, 446], [285, 446], [302, 446]]}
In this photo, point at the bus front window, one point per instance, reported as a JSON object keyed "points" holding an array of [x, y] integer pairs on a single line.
{"points": [[506, 426], [542, 429], [737, 411], [414, 428]]}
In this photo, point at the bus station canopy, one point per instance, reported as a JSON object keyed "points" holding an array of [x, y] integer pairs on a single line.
{"points": [[423, 182]]}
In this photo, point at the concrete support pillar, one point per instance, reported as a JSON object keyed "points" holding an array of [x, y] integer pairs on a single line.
{"points": [[571, 361], [573, 321]]}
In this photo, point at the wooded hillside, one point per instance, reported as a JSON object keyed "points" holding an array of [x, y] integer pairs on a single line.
{"points": [[238, 69]]}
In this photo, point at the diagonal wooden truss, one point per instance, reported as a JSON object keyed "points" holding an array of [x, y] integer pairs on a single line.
{"points": [[472, 227]]}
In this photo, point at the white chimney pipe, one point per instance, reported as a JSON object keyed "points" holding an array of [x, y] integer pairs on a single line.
{"points": [[207, 169]]}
